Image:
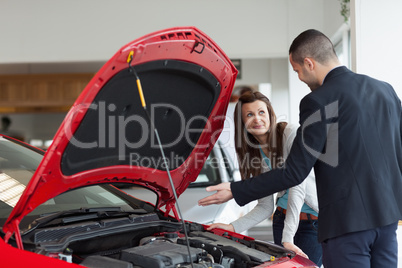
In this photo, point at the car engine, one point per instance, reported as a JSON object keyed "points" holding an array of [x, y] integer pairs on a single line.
{"points": [[149, 242]]}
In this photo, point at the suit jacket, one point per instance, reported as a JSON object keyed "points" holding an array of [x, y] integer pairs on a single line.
{"points": [[350, 132]]}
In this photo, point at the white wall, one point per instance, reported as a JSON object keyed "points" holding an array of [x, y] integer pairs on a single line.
{"points": [[280, 97], [93, 30], [376, 40], [328, 20], [332, 20]]}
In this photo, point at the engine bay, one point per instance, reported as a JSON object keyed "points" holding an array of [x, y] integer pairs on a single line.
{"points": [[149, 242]]}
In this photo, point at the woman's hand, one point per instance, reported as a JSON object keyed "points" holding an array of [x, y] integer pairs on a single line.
{"points": [[224, 226], [294, 248]]}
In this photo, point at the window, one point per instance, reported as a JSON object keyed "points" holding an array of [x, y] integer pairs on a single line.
{"points": [[341, 42]]}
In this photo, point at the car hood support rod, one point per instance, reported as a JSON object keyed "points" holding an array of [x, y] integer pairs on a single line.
{"points": [[143, 103]]}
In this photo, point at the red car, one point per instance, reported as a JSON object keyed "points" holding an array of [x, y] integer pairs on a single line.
{"points": [[149, 118]]}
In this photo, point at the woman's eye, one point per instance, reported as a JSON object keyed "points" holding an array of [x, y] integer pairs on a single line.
{"points": [[249, 114], [262, 112]]}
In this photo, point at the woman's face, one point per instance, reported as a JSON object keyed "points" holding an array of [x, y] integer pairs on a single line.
{"points": [[255, 117]]}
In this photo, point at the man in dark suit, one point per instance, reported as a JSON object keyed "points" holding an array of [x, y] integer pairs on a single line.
{"points": [[350, 132]]}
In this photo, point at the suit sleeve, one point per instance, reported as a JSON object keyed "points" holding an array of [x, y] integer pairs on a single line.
{"points": [[307, 147]]}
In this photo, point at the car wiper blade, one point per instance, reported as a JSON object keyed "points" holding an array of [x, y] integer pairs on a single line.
{"points": [[102, 214], [95, 215], [54, 215], [74, 215]]}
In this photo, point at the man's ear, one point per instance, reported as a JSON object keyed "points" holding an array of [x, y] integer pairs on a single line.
{"points": [[309, 63]]}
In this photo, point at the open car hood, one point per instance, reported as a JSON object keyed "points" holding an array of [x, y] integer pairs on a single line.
{"points": [[107, 136]]}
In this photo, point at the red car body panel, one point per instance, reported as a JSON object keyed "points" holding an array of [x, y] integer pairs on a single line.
{"points": [[186, 44]]}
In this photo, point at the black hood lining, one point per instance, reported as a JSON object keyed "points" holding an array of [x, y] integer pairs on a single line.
{"points": [[116, 131]]}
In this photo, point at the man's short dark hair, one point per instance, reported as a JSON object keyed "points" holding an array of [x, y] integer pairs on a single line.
{"points": [[313, 44]]}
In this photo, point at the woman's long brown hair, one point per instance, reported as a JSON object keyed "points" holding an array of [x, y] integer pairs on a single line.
{"points": [[247, 147]]}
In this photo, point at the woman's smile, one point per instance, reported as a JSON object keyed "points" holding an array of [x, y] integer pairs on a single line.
{"points": [[256, 118]]}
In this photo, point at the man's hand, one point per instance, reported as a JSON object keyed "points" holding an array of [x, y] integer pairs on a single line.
{"points": [[222, 195]]}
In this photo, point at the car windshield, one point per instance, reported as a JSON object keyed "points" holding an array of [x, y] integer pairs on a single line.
{"points": [[18, 163]]}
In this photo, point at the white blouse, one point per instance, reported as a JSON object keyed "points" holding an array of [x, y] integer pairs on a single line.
{"points": [[303, 193]]}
